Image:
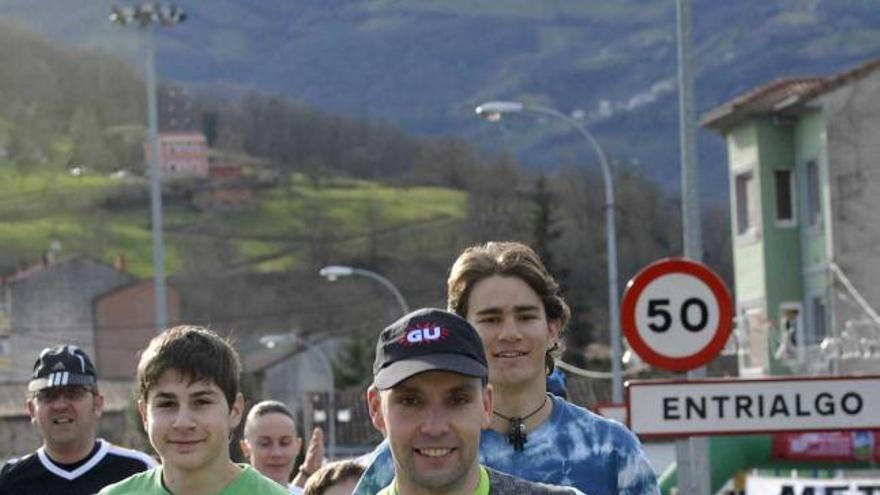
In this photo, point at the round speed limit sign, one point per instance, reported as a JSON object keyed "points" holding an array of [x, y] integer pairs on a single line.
{"points": [[676, 314]]}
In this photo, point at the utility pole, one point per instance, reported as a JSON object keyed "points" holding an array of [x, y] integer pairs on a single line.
{"points": [[692, 454]]}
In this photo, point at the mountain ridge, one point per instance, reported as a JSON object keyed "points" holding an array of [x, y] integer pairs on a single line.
{"points": [[425, 65]]}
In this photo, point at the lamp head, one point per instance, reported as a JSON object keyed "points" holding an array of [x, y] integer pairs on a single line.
{"points": [[273, 340], [171, 14], [269, 341], [121, 15], [494, 110], [332, 272]]}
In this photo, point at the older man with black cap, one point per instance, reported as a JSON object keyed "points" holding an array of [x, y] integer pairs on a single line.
{"points": [[64, 402], [431, 398]]}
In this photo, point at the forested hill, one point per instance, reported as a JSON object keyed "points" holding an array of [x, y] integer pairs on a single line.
{"points": [[425, 64], [69, 119], [47, 91]]}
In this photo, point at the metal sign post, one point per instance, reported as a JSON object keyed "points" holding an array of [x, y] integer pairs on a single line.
{"points": [[677, 314]]}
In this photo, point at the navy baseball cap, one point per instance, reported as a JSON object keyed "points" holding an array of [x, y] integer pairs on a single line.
{"points": [[425, 340], [61, 366]]}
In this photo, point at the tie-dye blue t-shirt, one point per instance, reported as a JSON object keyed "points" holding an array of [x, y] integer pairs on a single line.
{"points": [[573, 448]]}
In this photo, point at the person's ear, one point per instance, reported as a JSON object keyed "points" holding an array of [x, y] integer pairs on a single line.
{"points": [[142, 409], [555, 329], [98, 404], [488, 404], [31, 409], [374, 403], [245, 447], [235, 411]]}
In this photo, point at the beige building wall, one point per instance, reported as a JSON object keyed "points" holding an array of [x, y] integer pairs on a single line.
{"points": [[852, 114]]}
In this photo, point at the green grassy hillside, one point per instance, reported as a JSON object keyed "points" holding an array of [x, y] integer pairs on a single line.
{"points": [[41, 211]]}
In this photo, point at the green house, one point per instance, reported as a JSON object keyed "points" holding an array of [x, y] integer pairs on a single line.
{"points": [[804, 164]]}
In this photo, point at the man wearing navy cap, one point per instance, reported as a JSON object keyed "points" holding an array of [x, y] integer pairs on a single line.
{"points": [[64, 403], [431, 399]]}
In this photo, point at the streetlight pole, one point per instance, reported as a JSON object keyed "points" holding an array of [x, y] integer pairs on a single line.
{"points": [[332, 272], [144, 16], [493, 111], [270, 340]]}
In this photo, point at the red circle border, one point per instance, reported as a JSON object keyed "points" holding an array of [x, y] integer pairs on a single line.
{"points": [[637, 285]]}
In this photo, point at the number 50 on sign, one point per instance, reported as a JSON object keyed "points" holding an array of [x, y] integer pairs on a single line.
{"points": [[676, 314]]}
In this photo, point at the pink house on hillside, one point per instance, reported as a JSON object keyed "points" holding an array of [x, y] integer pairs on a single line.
{"points": [[183, 154]]}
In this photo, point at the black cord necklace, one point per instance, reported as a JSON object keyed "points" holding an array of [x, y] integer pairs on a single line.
{"points": [[516, 433]]}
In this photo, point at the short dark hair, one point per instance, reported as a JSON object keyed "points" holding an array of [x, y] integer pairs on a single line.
{"points": [[507, 259], [331, 474], [269, 407], [197, 353]]}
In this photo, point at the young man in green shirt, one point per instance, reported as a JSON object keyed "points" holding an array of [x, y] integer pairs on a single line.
{"points": [[189, 401], [431, 399]]}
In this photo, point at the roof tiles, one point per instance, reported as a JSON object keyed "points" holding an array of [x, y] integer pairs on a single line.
{"points": [[782, 94]]}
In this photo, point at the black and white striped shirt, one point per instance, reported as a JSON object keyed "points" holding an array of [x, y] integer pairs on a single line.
{"points": [[37, 474]]}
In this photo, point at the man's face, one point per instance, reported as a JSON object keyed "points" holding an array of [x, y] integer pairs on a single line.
{"points": [[66, 416], [189, 423], [433, 422], [512, 322], [271, 445]]}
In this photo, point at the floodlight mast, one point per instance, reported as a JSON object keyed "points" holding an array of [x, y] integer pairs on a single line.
{"points": [[144, 16]]}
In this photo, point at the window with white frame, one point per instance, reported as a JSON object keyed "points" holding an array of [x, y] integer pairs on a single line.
{"points": [[746, 207], [784, 187], [814, 193]]}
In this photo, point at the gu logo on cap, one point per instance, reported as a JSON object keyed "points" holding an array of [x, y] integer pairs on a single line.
{"points": [[425, 340], [424, 334]]}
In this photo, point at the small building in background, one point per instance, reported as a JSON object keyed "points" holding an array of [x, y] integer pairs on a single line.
{"points": [[220, 171], [183, 154], [227, 189]]}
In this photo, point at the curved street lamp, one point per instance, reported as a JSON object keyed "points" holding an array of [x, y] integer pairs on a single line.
{"points": [[270, 341], [333, 272], [493, 112]]}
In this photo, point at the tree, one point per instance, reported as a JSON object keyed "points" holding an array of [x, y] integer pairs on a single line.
{"points": [[210, 127], [90, 146], [353, 365], [545, 230], [497, 207]]}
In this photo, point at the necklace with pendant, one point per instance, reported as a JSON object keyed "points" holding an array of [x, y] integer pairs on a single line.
{"points": [[517, 435]]}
